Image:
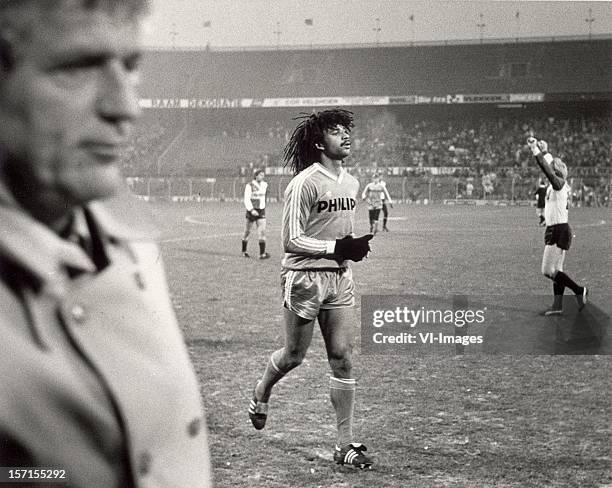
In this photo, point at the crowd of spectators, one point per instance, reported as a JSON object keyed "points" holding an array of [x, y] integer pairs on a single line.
{"points": [[147, 143], [471, 148], [481, 145]]}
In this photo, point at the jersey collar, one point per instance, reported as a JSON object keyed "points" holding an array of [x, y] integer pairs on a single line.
{"points": [[329, 174]]}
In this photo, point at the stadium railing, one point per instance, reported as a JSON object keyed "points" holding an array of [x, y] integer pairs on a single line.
{"points": [[586, 191]]}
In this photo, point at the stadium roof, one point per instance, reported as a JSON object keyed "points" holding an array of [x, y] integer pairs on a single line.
{"points": [[451, 42]]}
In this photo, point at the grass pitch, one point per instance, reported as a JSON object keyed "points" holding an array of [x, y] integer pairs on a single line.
{"points": [[438, 420]]}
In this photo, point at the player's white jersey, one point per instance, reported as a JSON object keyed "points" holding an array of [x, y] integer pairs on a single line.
{"points": [[557, 205], [373, 192], [319, 208], [255, 195]]}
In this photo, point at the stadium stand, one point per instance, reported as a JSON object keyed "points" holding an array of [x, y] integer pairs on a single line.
{"points": [[556, 67], [420, 141]]}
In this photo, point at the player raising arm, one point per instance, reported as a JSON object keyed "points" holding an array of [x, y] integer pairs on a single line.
{"points": [[316, 279], [558, 234]]}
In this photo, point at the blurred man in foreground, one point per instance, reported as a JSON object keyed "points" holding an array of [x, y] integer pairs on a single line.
{"points": [[96, 379]]}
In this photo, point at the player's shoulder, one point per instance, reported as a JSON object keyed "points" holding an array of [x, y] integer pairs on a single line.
{"points": [[351, 179], [305, 178], [305, 175]]}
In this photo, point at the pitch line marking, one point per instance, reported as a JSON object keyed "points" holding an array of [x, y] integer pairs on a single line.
{"points": [[594, 224], [193, 219], [201, 238]]}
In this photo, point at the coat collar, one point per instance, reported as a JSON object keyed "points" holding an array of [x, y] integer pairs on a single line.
{"points": [[31, 245]]}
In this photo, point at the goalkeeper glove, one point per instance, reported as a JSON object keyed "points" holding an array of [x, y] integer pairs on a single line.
{"points": [[352, 248], [543, 145]]}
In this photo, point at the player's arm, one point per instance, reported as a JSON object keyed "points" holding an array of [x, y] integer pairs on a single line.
{"points": [[248, 192], [300, 197], [387, 196], [366, 192], [544, 160], [247, 197]]}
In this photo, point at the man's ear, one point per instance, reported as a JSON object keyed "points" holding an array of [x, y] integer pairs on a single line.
{"points": [[319, 146]]}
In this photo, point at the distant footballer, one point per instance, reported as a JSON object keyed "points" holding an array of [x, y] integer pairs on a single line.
{"points": [[255, 204], [316, 278], [540, 196], [558, 234], [386, 202], [373, 195]]}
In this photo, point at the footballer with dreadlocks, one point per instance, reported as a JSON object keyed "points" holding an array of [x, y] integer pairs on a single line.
{"points": [[558, 234], [316, 279]]}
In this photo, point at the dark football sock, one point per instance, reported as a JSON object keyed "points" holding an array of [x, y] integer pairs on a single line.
{"points": [[562, 279], [558, 289], [244, 245], [262, 247]]}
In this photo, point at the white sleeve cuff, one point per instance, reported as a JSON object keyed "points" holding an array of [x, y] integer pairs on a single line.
{"points": [[535, 150], [331, 245], [548, 158]]}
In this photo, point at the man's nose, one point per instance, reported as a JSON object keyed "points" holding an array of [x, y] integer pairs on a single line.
{"points": [[118, 94]]}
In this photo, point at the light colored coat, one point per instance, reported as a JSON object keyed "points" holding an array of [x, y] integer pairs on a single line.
{"points": [[94, 375]]}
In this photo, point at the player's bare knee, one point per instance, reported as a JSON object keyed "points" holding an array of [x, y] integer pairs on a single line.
{"points": [[549, 271], [293, 359], [341, 364]]}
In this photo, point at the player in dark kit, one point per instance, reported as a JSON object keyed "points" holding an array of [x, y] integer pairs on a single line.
{"points": [[558, 234], [540, 195], [386, 202], [316, 279]]}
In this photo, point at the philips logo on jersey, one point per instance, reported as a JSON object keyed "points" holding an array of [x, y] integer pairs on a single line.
{"points": [[336, 205]]}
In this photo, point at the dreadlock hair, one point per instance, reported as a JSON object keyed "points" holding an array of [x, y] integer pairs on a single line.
{"points": [[300, 151]]}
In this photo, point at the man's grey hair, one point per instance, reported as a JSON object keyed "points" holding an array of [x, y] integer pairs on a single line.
{"points": [[18, 16], [133, 6]]}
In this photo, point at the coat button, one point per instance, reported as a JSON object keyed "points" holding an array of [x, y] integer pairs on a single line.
{"points": [[78, 314], [139, 281], [144, 463], [194, 427]]}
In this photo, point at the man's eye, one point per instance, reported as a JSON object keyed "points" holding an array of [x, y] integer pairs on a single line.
{"points": [[132, 63], [73, 74]]}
